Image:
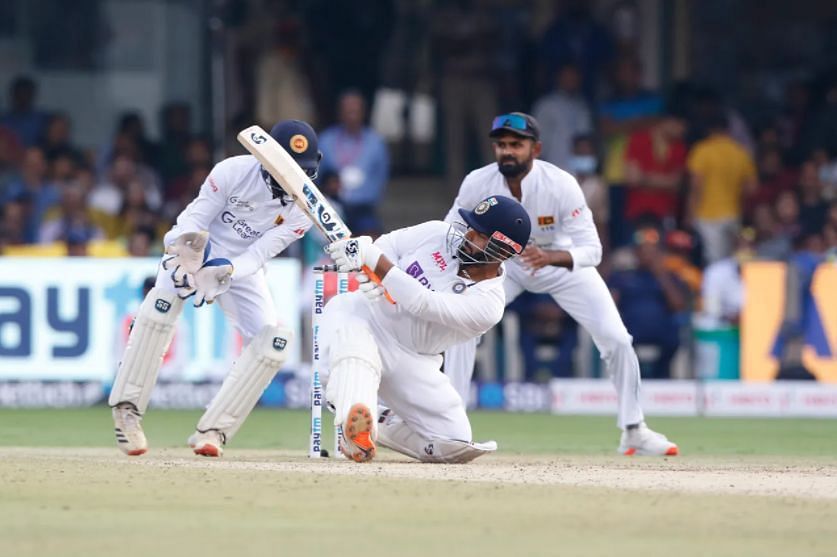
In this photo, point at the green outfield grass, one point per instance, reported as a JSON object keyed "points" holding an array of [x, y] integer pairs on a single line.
{"points": [[516, 433], [557, 488]]}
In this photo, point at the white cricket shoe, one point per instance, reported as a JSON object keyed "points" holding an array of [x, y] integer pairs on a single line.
{"points": [[357, 440], [208, 443], [643, 441], [127, 424]]}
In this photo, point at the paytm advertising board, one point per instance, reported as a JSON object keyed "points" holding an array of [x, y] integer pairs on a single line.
{"points": [[68, 319]]}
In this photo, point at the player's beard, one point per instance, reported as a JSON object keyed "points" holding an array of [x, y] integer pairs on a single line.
{"points": [[510, 168]]}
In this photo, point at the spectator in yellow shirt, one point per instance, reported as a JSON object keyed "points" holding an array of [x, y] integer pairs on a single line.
{"points": [[721, 173]]}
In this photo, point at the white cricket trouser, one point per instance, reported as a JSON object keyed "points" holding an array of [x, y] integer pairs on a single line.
{"points": [[247, 304], [412, 384], [585, 296]]}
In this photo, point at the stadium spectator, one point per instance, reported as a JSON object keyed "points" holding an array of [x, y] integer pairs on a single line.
{"points": [[57, 139], [813, 209], [575, 37], [465, 36], [72, 219], [11, 153], [142, 241], [787, 215], [176, 126], [360, 157], [655, 163], [562, 114], [629, 108], [26, 121], [770, 243], [130, 129], [722, 173], [109, 195], [773, 178], [13, 224], [544, 323], [34, 190], [650, 299], [679, 247], [584, 165], [723, 287]]}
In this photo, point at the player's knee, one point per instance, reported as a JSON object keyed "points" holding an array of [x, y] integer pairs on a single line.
{"points": [[272, 343], [354, 341], [161, 306]]}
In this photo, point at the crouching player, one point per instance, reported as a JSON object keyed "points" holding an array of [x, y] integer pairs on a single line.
{"points": [[447, 283], [241, 218]]}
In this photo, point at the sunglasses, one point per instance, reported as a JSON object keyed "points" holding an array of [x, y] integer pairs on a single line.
{"points": [[513, 121]]}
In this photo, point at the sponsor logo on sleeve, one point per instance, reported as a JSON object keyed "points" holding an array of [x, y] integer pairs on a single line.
{"points": [[577, 211], [213, 185]]}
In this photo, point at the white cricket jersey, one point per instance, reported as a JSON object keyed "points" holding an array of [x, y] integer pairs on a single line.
{"points": [[246, 225], [560, 217], [435, 308]]}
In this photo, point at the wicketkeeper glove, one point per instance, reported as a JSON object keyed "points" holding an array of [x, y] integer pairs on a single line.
{"points": [[353, 253], [209, 282], [187, 254]]}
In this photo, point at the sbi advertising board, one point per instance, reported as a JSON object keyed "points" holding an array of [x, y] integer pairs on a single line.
{"points": [[68, 320]]}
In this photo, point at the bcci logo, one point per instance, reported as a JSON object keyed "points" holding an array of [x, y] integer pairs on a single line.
{"points": [[279, 343], [162, 306]]}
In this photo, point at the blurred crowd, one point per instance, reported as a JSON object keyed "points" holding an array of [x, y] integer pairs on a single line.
{"points": [[683, 186]]}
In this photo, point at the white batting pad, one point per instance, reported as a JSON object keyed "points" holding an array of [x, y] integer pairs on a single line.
{"points": [[355, 371], [149, 340], [250, 375], [396, 435]]}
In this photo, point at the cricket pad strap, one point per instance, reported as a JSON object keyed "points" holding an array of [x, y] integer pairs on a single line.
{"points": [[355, 375], [250, 375], [148, 342]]}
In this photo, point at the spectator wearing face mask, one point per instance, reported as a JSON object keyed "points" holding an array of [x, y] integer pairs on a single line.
{"points": [[584, 165]]}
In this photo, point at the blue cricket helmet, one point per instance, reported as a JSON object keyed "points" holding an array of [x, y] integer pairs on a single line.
{"points": [[504, 221], [299, 139]]}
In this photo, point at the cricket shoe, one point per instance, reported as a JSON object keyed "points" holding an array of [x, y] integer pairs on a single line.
{"points": [[357, 442], [208, 443], [643, 441], [127, 425]]}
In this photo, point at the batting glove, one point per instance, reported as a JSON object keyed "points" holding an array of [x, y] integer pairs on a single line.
{"points": [[187, 254], [211, 280], [372, 290], [353, 254]]}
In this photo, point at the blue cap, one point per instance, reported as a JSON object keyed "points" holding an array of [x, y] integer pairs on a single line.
{"points": [[299, 139], [500, 218]]}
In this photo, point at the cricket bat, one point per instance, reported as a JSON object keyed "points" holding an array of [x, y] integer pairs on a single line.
{"points": [[299, 186]]}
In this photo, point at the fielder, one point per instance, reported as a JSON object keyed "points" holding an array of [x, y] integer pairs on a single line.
{"points": [[217, 250], [561, 261], [447, 283]]}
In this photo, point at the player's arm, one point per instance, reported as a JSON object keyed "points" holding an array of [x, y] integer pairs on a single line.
{"points": [[271, 244], [476, 312], [577, 222], [210, 201]]}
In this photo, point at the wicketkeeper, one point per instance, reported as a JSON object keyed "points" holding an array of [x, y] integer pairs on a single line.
{"points": [[217, 250]]}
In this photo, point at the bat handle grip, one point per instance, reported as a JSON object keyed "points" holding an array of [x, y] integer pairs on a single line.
{"points": [[374, 278]]}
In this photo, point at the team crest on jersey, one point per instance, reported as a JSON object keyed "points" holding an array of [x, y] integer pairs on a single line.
{"points": [[279, 220], [299, 143], [458, 287]]}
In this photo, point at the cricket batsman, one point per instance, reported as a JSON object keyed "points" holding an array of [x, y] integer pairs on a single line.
{"points": [[217, 250], [560, 261], [447, 283]]}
